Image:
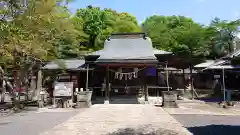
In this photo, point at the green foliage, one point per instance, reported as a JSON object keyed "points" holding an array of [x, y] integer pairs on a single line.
{"points": [[224, 35], [45, 30], [176, 33], [42, 32], [183, 36], [98, 24]]}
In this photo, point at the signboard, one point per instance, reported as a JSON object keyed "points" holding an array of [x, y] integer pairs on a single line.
{"points": [[66, 77], [63, 89]]}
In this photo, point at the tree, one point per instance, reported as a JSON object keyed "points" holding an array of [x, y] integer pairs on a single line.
{"points": [[42, 31], [126, 23], [224, 35], [98, 24], [177, 34], [94, 22]]}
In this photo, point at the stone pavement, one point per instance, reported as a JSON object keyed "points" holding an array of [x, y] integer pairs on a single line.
{"points": [[201, 109], [120, 119]]}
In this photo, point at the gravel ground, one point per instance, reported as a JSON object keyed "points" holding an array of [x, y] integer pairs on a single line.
{"points": [[210, 124], [32, 122], [120, 120]]}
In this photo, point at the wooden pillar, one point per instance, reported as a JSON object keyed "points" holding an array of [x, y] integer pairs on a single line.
{"points": [[146, 93], [87, 73], [157, 76], [184, 81], [107, 86], [145, 88], [224, 89], [167, 76], [157, 80], [78, 80], [191, 81]]}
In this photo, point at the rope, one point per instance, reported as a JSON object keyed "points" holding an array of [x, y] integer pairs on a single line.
{"points": [[119, 75], [127, 72]]}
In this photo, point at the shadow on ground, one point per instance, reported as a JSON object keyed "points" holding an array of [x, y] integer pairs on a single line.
{"points": [[215, 130], [143, 130], [210, 99]]}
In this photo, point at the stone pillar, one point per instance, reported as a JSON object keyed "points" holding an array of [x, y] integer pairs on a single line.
{"points": [[41, 100]]}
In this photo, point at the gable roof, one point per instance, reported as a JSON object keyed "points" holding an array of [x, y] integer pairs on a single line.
{"points": [[71, 64], [205, 64], [133, 48], [128, 48], [224, 62], [215, 64]]}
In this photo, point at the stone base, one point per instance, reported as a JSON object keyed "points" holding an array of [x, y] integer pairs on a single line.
{"points": [[170, 105], [146, 102], [106, 102], [188, 94], [83, 105], [67, 104], [151, 100], [40, 104]]}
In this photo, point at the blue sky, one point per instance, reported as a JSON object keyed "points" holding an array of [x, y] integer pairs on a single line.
{"points": [[202, 11]]}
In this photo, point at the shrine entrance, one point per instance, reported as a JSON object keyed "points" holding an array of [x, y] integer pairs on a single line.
{"points": [[127, 81]]}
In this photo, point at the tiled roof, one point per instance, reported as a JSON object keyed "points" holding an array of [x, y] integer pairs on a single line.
{"points": [[136, 48], [73, 64]]}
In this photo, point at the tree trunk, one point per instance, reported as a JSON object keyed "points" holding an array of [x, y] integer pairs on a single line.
{"points": [[92, 40], [3, 91], [17, 82], [33, 87], [39, 86]]}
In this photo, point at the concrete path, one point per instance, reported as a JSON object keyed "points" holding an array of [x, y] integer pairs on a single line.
{"points": [[120, 120], [33, 122]]}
